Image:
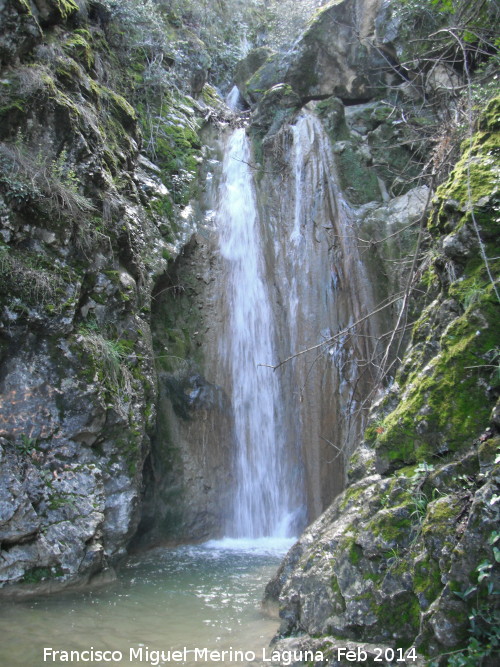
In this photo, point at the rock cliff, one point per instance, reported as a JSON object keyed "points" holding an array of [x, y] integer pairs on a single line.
{"points": [[114, 420], [88, 226], [405, 553], [405, 557]]}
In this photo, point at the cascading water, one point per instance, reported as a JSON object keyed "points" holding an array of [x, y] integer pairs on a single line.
{"points": [[322, 287], [262, 504]]}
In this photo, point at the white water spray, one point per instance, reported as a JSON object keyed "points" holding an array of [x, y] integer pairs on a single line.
{"points": [[233, 99], [262, 505]]}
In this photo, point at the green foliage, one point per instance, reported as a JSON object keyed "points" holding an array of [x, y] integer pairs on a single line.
{"points": [[32, 179], [37, 574], [26, 445], [471, 24], [27, 280], [109, 357], [79, 46], [484, 618]]}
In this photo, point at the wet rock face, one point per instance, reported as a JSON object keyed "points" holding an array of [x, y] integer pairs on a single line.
{"points": [[69, 499], [331, 192], [78, 258], [380, 567], [407, 553], [189, 474]]}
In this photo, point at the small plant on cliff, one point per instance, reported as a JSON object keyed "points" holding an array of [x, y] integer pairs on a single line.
{"points": [[32, 178], [110, 357], [484, 641], [28, 280]]}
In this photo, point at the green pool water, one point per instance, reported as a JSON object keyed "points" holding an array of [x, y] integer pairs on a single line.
{"points": [[187, 599]]}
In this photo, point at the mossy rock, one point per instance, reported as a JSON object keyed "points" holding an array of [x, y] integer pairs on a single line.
{"points": [[399, 617], [247, 67], [332, 114], [446, 406], [79, 47], [473, 185], [56, 11], [277, 106], [270, 74], [120, 107], [426, 578], [447, 382], [392, 527], [394, 163], [358, 181]]}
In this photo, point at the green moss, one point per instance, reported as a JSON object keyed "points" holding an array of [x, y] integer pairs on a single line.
{"points": [[372, 576], [131, 451], [68, 71], [358, 181], [393, 526], [446, 407], [123, 111], [264, 78], [354, 551], [489, 450], [407, 471], [398, 494], [490, 117], [474, 182], [210, 96], [37, 574], [66, 7], [426, 577], [400, 618], [78, 46], [473, 175], [331, 112], [163, 207], [352, 494], [83, 32], [177, 153], [441, 511], [61, 98], [429, 278], [12, 107]]}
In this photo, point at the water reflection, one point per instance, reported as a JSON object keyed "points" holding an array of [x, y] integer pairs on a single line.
{"points": [[205, 596]]}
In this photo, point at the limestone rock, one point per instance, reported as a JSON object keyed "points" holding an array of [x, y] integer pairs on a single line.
{"points": [[247, 67], [404, 556], [333, 57], [277, 106], [19, 30], [80, 254]]}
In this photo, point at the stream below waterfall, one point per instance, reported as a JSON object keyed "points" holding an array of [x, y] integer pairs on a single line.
{"points": [[189, 597]]}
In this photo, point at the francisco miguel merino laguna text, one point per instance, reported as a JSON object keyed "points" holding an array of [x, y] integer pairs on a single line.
{"points": [[156, 657]]}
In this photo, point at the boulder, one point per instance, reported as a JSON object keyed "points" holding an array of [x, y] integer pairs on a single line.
{"points": [[334, 56]]}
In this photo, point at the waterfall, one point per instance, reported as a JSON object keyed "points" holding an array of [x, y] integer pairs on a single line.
{"points": [[233, 99], [282, 274], [323, 288], [262, 498]]}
